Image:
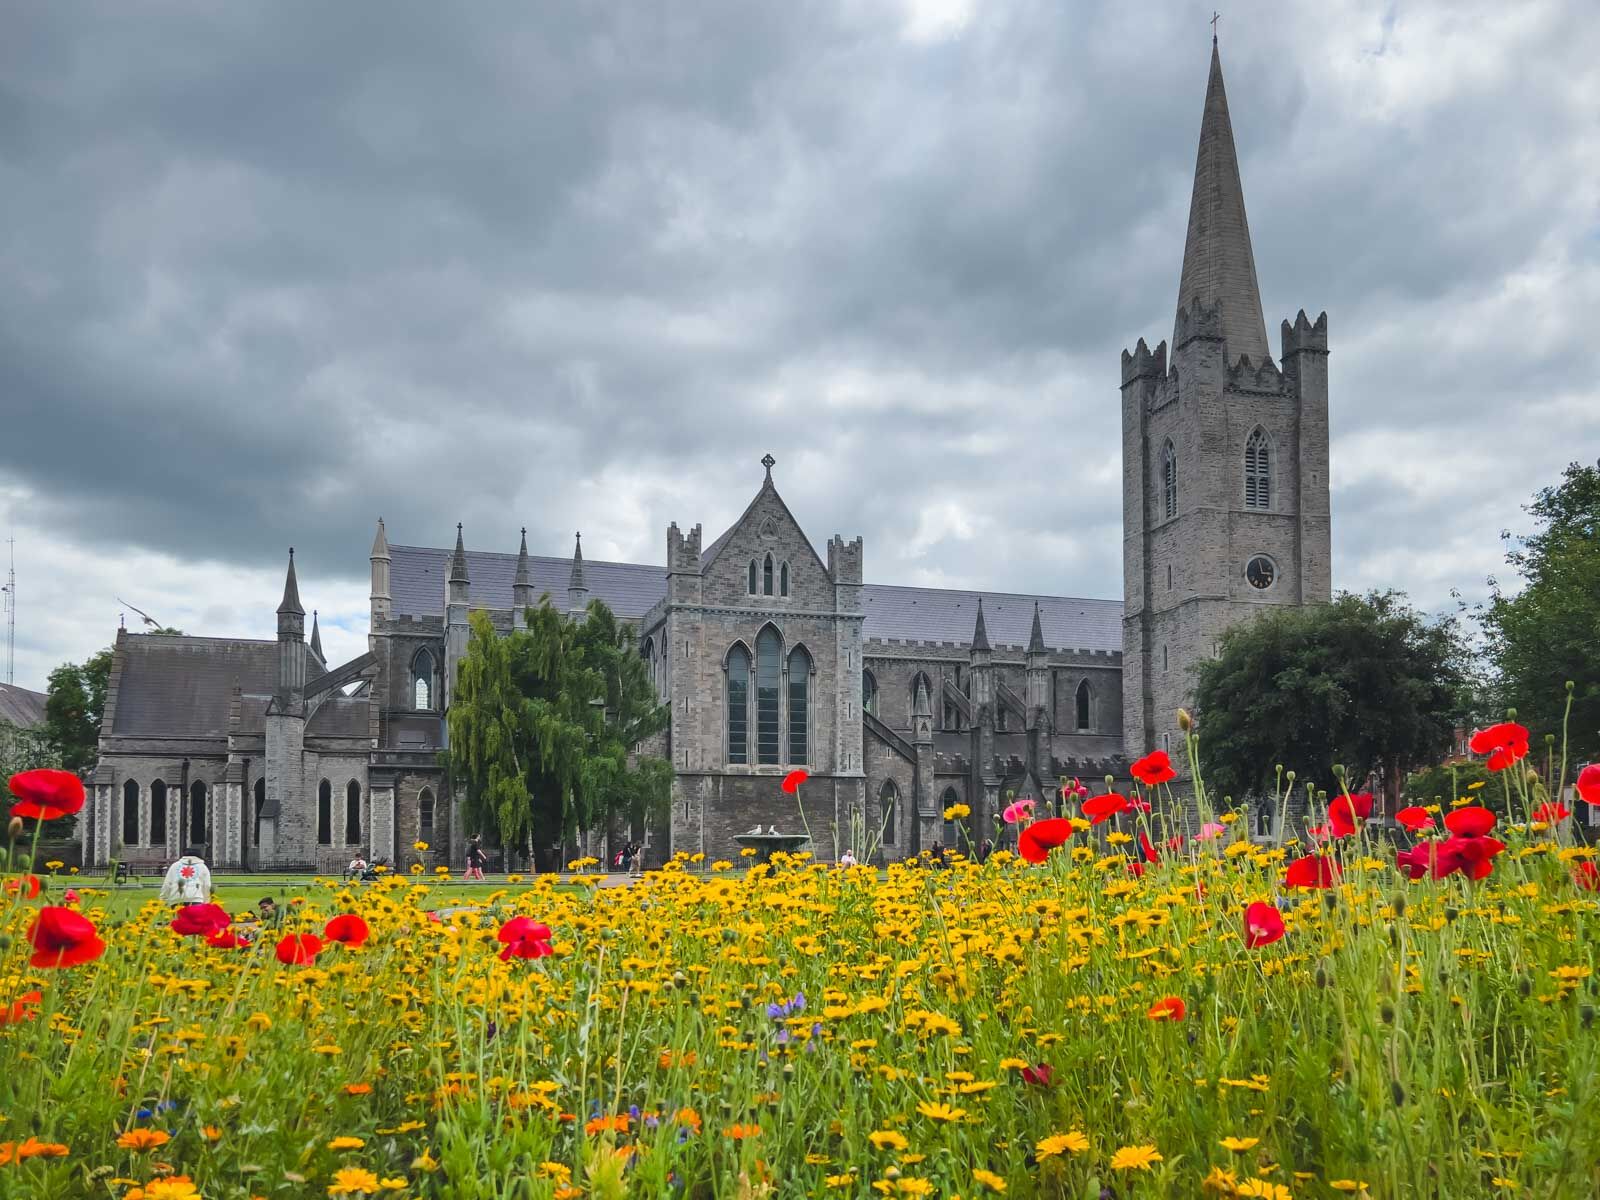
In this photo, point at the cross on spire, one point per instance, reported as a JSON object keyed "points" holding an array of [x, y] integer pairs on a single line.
{"points": [[1215, 17], [768, 462]]}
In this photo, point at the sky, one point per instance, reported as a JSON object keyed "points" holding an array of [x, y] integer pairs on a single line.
{"points": [[271, 271]]}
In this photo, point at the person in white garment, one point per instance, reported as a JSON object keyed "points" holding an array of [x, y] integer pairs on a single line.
{"points": [[188, 881]]}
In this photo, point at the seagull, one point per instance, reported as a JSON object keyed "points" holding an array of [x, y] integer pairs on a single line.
{"points": [[148, 619]]}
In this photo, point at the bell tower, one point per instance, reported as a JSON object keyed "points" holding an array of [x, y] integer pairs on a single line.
{"points": [[1224, 454]]}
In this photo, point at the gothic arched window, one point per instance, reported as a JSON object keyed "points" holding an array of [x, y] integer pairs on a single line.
{"points": [[799, 704], [1083, 700], [324, 813], [158, 813], [738, 688], [783, 580], [1169, 479], [261, 803], [869, 693], [197, 814], [752, 577], [352, 813], [425, 813], [1257, 471], [888, 802], [130, 813], [769, 680], [766, 576], [422, 680]]}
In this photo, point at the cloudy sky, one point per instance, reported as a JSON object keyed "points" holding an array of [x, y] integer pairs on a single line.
{"points": [[272, 270]]}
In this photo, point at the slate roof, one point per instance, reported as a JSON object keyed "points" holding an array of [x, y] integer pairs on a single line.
{"points": [[21, 708], [417, 577], [183, 687], [948, 615]]}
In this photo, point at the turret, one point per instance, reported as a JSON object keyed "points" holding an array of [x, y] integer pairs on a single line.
{"points": [[922, 715], [382, 601], [981, 659], [577, 589], [455, 590], [291, 643], [316, 639], [683, 565], [522, 585]]}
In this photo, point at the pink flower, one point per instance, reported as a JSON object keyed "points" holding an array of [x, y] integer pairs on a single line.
{"points": [[1019, 811], [1210, 830]]}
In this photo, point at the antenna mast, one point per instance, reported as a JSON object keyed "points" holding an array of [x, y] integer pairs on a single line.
{"points": [[11, 612]]}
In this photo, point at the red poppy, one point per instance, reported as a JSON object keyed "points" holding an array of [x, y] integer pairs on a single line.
{"points": [[1169, 1009], [1103, 808], [347, 928], [1587, 876], [793, 780], [1471, 855], [1346, 813], [26, 1006], [1147, 849], [524, 938], [1153, 768], [1039, 1076], [1263, 925], [227, 940], [1413, 818], [28, 885], [1504, 743], [200, 920], [1589, 784], [1036, 841], [299, 948], [1474, 822], [1312, 871], [1137, 869], [46, 794], [1551, 811], [63, 938]]}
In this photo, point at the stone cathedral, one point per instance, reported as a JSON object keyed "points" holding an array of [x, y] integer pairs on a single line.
{"points": [[899, 701]]}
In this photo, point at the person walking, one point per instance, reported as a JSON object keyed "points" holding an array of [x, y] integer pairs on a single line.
{"points": [[188, 881], [476, 860]]}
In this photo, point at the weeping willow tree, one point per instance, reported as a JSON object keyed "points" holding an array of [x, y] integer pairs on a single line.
{"points": [[545, 726]]}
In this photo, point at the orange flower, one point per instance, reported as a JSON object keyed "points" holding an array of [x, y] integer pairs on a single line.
{"points": [[739, 1132], [143, 1139], [31, 1148], [1170, 1008], [357, 1089], [618, 1123]]}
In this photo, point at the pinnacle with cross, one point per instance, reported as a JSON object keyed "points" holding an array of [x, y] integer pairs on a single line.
{"points": [[768, 462]]}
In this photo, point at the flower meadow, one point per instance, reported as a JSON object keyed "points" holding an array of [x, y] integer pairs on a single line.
{"points": [[1117, 1008]]}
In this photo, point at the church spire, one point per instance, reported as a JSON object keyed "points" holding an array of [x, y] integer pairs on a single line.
{"points": [[980, 636], [458, 560], [1036, 637], [290, 605], [577, 589], [1217, 261], [316, 637]]}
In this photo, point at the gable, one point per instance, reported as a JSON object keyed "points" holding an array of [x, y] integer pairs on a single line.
{"points": [[767, 528]]}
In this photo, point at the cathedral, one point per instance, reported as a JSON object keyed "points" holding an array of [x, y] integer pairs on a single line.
{"points": [[899, 701]]}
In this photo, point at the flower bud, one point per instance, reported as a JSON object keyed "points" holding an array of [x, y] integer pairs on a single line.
{"points": [[1398, 903], [15, 828], [1290, 776], [1524, 987], [1397, 1093], [1570, 687], [1338, 770], [1511, 714], [1386, 1013], [1111, 781], [1185, 721]]}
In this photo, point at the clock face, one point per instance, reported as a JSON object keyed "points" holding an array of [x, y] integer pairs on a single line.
{"points": [[1260, 573]]}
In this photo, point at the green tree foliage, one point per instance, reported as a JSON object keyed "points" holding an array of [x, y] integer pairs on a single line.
{"points": [[1364, 682], [545, 724], [74, 703], [1549, 632], [1449, 781]]}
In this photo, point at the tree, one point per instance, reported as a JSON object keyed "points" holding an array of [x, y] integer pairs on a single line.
{"points": [[1364, 682], [1549, 632], [75, 701], [545, 727]]}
